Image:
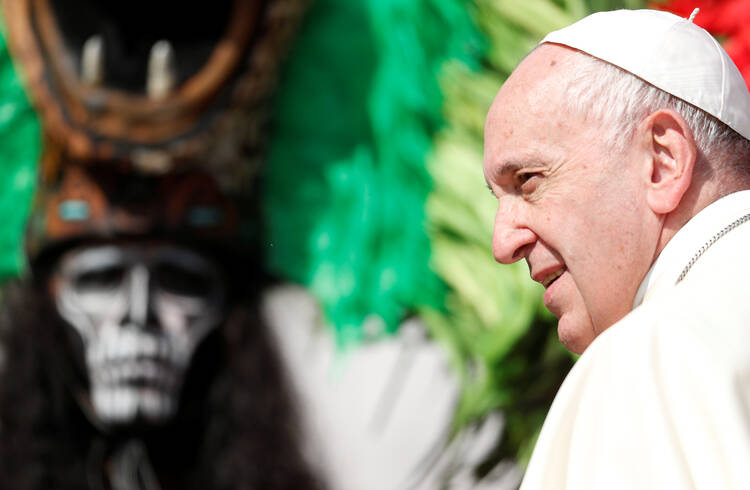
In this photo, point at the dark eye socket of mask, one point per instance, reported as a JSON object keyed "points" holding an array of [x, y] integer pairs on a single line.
{"points": [[179, 280], [97, 279]]}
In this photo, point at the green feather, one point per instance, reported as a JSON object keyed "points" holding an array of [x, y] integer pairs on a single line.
{"points": [[346, 179], [20, 143]]}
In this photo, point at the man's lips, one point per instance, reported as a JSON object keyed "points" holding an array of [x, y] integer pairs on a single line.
{"points": [[547, 277], [550, 278], [551, 284]]}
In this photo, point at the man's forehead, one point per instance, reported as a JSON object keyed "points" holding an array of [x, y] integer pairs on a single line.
{"points": [[534, 89], [542, 69]]}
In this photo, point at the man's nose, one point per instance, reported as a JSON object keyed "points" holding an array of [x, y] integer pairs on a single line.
{"points": [[139, 296], [510, 237]]}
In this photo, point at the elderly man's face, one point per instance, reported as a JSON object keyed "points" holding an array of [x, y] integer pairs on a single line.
{"points": [[567, 202]]}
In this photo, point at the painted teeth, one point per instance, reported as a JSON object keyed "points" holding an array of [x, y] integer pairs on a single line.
{"points": [[162, 76], [551, 277], [92, 61]]}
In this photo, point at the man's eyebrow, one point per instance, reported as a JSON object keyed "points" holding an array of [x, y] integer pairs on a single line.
{"points": [[508, 167], [503, 169]]}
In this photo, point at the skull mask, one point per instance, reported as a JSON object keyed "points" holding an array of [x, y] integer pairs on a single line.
{"points": [[141, 309]]}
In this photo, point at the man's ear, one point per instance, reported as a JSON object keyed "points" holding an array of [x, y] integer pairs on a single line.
{"points": [[671, 156]]}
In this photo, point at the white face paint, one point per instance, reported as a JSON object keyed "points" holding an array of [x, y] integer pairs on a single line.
{"points": [[141, 311]]}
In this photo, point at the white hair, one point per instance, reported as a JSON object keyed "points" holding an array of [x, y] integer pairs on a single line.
{"points": [[619, 100]]}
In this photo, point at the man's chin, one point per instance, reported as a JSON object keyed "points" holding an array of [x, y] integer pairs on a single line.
{"points": [[576, 332]]}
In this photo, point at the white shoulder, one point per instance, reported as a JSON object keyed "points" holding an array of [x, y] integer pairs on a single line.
{"points": [[660, 400]]}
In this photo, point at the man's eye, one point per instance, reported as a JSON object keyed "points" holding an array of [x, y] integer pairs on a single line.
{"points": [[523, 178]]}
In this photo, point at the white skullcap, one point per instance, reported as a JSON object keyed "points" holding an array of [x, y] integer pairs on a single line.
{"points": [[668, 52]]}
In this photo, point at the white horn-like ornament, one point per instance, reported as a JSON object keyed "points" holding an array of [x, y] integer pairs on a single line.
{"points": [[162, 74], [92, 61]]}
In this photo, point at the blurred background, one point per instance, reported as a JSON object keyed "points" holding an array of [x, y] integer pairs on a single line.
{"points": [[375, 225]]}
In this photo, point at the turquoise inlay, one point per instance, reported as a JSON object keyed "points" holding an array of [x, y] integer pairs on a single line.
{"points": [[74, 210], [204, 216]]}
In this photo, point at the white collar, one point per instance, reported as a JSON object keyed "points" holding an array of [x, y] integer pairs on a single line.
{"points": [[682, 247]]}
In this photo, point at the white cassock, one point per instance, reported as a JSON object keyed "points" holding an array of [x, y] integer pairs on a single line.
{"points": [[662, 398]]}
